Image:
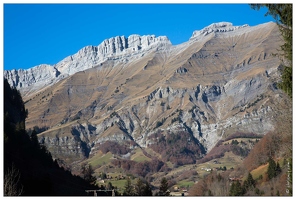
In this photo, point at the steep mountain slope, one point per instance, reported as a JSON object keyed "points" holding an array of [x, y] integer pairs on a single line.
{"points": [[117, 48], [135, 90]]}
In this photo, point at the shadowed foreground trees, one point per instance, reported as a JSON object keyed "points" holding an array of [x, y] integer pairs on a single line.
{"points": [[28, 166], [11, 182]]}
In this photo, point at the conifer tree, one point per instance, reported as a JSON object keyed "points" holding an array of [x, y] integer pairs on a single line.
{"points": [[236, 189], [272, 169], [128, 188], [147, 190], [109, 186], [278, 168], [87, 172], [282, 13], [249, 183], [142, 188], [139, 187], [164, 188]]}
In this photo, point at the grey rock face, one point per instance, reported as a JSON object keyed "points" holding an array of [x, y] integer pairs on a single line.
{"points": [[217, 27], [117, 48], [69, 147], [41, 74], [205, 88]]}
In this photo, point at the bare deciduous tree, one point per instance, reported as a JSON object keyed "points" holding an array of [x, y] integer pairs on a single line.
{"points": [[11, 181]]}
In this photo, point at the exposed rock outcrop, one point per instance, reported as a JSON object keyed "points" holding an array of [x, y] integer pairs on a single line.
{"points": [[115, 48], [134, 88], [217, 27]]}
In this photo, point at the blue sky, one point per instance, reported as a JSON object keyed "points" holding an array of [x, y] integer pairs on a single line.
{"points": [[46, 33]]}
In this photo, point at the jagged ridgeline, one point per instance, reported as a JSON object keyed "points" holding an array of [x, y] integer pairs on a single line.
{"points": [[156, 104]]}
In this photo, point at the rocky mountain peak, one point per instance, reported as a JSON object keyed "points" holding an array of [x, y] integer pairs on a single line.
{"points": [[25, 78], [140, 91], [217, 27], [121, 45], [117, 48]]}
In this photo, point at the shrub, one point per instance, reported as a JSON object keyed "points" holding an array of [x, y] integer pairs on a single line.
{"points": [[114, 148], [179, 148], [158, 124]]}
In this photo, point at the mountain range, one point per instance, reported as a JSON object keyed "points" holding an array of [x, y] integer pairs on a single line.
{"points": [[142, 95]]}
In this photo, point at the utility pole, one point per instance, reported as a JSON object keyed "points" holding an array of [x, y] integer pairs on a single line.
{"points": [[95, 192]]}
